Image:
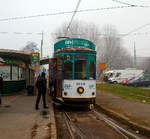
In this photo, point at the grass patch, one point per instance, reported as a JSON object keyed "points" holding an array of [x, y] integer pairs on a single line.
{"points": [[142, 95]]}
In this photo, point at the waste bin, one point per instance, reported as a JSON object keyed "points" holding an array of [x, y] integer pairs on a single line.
{"points": [[30, 90]]}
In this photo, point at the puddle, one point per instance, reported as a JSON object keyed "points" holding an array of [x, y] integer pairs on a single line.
{"points": [[7, 106]]}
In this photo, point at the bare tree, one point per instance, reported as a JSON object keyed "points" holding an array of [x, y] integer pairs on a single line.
{"points": [[111, 50], [147, 67], [78, 29], [30, 47], [108, 46], [143, 63]]}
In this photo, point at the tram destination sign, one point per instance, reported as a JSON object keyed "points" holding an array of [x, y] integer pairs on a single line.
{"points": [[74, 42]]}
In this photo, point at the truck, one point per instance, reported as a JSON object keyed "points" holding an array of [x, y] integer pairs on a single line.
{"points": [[117, 76]]}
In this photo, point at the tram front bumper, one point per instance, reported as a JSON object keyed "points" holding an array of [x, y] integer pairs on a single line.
{"points": [[79, 99]]}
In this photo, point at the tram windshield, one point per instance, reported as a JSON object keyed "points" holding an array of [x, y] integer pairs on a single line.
{"points": [[80, 69], [92, 70], [68, 70]]}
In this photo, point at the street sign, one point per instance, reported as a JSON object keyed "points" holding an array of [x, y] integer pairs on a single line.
{"points": [[35, 59], [102, 66]]}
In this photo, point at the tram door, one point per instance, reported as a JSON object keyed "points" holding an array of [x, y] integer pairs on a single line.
{"points": [[59, 64], [52, 69]]}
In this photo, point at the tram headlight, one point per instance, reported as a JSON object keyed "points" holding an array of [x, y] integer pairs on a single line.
{"points": [[80, 90], [65, 93], [93, 93]]}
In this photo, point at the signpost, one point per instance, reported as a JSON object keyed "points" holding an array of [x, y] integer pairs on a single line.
{"points": [[35, 60], [102, 66]]}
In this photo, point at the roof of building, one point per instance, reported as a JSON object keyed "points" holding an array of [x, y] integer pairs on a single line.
{"points": [[15, 54], [44, 60]]}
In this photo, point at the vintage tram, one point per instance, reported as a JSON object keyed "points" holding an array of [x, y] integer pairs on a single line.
{"points": [[73, 69]]}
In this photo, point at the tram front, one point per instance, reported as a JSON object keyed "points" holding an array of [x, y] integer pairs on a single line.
{"points": [[79, 69], [80, 77]]}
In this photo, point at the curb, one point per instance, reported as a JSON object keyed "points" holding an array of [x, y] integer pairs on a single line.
{"points": [[53, 122], [135, 126]]}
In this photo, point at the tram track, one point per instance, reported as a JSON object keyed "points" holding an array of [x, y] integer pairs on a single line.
{"points": [[86, 125], [118, 128], [73, 128]]}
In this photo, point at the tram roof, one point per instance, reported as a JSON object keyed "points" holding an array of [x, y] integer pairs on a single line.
{"points": [[75, 49], [74, 42]]}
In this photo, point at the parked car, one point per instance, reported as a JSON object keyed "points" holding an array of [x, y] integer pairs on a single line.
{"points": [[139, 82], [124, 82]]}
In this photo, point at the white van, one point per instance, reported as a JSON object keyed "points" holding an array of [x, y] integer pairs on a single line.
{"points": [[126, 74]]}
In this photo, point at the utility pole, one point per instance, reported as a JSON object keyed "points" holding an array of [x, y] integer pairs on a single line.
{"points": [[41, 52], [134, 56], [42, 46]]}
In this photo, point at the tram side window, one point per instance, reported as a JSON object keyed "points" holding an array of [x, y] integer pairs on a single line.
{"points": [[67, 69], [92, 70], [80, 69]]}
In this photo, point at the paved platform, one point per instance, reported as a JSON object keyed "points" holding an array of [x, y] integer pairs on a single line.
{"points": [[135, 113], [19, 119]]}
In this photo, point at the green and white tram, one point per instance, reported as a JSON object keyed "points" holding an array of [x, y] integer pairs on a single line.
{"points": [[74, 65]]}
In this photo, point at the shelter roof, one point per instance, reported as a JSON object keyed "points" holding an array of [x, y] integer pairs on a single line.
{"points": [[44, 60], [14, 54]]}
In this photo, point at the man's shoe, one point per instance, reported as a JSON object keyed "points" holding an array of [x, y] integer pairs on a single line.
{"points": [[36, 108], [45, 107]]}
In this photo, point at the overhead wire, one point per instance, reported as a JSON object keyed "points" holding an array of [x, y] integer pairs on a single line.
{"points": [[86, 10], [98, 34], [138, 28], [123, 2], [22, 33], [67, 12], [72, 17], [132, 5]]}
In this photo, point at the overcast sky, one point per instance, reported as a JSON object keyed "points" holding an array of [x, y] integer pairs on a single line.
{"points": [[124, 19]]}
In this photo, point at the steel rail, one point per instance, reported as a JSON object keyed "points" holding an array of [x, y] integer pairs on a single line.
{"points": [[69, 126], [115, 126], [74, 127]]}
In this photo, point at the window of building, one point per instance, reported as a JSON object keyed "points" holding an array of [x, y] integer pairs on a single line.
{"points": [[14, 73], [5, 72], [21, 73]]}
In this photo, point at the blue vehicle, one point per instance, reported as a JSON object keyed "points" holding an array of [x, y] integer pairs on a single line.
{"points": [[141, 81]]}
